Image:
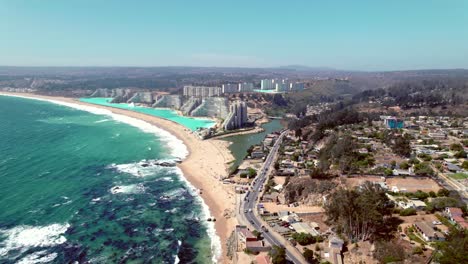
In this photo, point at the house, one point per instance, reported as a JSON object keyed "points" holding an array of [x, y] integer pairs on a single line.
{"points": [[286, 172], [400, 172], [456, 215], [427, 231], [451, 212], [292, 218], [336, 243], [257, 246], [262, 260], [257, 153], [333, 253], [273, 197], [363, 151], [244, 234], [301, 227], [452, 167]]}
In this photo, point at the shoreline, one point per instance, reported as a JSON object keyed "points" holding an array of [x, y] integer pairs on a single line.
{"points": [[205, 163]]}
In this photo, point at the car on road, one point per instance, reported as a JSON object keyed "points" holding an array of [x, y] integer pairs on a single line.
{"points": [[250, 210], [245, 211]]}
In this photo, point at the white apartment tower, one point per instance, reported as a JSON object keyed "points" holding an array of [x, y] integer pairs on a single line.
{"points": [[230, 88], [201, 91], [237, 116], [267, 84], [246, 87]]}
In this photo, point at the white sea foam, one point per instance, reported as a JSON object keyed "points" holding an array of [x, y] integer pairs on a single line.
{"points": [[21, 238], [178, 150], [143, 168], [176, 257], [128, 189], [173, 210], [38, 257], [205, 214], [166, 179], [102, 121], [177, 147]]}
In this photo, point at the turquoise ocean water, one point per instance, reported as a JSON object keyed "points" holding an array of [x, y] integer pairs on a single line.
{"points": [[76, 186], [189, 122]]}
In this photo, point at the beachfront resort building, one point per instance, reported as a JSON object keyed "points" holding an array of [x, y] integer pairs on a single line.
{"points": [[237, 116], [202, 91]]}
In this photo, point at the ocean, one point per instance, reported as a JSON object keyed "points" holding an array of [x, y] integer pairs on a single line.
{"points": [[87, 185]]}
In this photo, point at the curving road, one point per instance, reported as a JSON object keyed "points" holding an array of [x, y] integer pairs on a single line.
{"points": [[250, 203]]}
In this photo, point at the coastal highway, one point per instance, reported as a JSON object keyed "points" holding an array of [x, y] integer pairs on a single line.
{"points": [[249, 206]]}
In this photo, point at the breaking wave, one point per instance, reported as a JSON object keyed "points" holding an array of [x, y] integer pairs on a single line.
{"points": [[22, 238]]}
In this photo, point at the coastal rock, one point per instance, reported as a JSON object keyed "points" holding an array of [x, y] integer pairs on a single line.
{"points": [[306, 191]]}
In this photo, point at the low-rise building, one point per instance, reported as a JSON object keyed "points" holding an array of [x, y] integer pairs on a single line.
{"points": [[257, 246], [427, 231], [301, 227], [244, 234]]}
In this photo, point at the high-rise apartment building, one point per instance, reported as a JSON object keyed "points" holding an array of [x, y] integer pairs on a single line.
{"points": [[230, 88], [237, 116], [201, 91], [281, 86], [246, 87], [296, 86], [267, 84]]}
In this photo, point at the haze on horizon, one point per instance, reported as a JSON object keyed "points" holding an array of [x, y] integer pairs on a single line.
{"points": [[349, 35]]}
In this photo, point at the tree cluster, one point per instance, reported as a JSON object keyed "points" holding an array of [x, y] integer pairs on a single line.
{"points": [[360, 214]]}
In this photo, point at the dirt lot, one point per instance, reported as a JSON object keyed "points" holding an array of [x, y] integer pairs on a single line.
{"points": [[414, 184], [317, 218], [273, 207], [411, 184], [421, 217]]}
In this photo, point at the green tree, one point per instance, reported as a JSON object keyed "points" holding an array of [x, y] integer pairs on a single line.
{"points": [[407, 212], [402, 146], [404, 165], [423, 169], [277, 255], [303, 238], [454, 249], [460, 154], [456, 147], [418, 251], [443, 192], [252, 172], [465, 165], [359, 214], [309, 256], [257, 234]]}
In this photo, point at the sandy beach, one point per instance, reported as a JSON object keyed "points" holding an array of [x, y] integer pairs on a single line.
{"points": [[206, 163]]}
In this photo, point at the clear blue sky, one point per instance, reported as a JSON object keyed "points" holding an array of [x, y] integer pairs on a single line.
{"points": [[348, 34]]}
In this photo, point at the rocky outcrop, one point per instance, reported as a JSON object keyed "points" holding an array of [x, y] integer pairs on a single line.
{"points": [[306, 191]]}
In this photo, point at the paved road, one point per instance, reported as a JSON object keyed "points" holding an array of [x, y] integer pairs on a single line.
{"points": [[249, 206]]}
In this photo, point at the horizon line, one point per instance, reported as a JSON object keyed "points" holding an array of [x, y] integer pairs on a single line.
{"points": [[311, 68]]}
